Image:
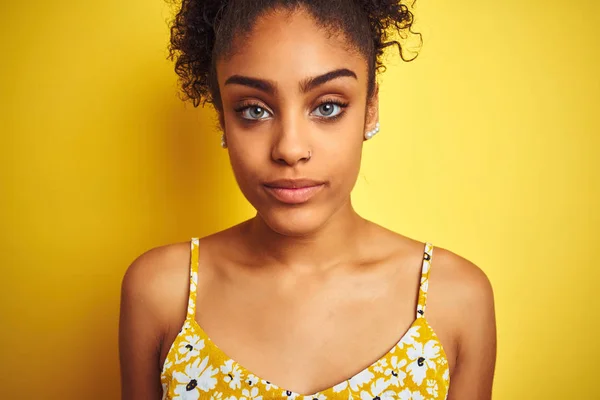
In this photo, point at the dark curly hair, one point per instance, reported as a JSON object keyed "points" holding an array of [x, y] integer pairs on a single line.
{"points": [[204, 30]]}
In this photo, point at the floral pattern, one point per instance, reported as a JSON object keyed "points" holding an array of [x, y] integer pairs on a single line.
{"points": [[416, 368]]}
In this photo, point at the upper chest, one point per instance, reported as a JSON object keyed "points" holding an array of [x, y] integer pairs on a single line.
{"points": [[305, 334]]}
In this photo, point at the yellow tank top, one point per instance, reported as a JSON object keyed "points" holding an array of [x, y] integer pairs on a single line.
{"points": [[416, 368]]}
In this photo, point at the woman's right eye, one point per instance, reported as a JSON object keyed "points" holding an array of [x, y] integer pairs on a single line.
{"points": [[254, 113]]}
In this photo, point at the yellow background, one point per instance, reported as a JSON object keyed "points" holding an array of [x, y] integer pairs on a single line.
{"points": [[489, 147]]}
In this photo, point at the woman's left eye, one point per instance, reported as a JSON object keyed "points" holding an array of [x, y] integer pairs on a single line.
{"points": [[328, 110]]}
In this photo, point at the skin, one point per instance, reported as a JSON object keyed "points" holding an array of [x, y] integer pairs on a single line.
{"points": [[304, 283]]}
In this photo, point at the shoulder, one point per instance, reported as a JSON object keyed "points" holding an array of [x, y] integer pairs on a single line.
{"points": [[151, 270], [462, 281], [157, 280], [461, 294], [464, 309]]}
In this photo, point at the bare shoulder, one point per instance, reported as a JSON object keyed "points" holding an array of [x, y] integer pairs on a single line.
{"points": [[461, 309], [158, 278], [461, 303], [453, 278], [460, 280], [153, 299]]}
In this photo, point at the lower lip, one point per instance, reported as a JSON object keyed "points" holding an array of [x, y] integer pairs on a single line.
{"points": [[294, 196]]}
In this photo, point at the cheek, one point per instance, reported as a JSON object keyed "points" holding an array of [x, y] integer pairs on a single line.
{"points": [[245, 166], [342, 158], [249, 170], [348, 172]]}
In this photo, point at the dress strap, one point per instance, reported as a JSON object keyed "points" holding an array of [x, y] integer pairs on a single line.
{"points": [[424, 285], [191, 311]]}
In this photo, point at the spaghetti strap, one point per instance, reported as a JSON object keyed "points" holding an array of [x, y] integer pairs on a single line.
{"points": [[191, 311], [424, 283], [196, 368]]}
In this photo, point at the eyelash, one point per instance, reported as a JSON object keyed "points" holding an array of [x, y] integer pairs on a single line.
{"points": [[343, 105]]}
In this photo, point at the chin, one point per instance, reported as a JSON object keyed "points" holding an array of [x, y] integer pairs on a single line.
{"points": [[294, 222]]}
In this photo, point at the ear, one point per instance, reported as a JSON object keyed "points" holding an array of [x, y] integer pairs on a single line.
{"points": [[372, 116]]}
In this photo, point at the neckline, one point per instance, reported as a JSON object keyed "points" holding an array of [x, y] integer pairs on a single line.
{"points": [[422, 295], [246, 371]]}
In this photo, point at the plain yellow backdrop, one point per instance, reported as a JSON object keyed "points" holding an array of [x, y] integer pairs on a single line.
{"points": [[489, 146]]}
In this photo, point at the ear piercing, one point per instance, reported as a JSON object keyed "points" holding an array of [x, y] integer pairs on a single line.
{"points": [[223, 141], [371, 133]]}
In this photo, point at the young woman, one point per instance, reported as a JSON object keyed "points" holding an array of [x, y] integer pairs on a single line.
{"points": [[307, 299]]}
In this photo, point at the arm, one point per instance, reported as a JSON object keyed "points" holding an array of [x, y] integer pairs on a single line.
{"points": [[139, 333], [476, 359]]}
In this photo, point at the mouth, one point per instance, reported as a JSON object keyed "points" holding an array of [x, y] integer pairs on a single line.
{"points": [[294, 191]]}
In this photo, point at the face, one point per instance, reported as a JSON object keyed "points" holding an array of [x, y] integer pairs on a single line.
{"points": [[294, 115]]}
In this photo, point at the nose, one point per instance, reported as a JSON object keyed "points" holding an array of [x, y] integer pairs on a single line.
{"points": [[290, 145]]}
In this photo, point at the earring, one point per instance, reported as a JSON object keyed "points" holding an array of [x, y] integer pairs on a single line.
{"points": [[223, 141], [371, 133]]}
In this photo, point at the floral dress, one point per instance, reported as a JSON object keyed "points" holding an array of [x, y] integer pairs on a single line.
{"points": [[416, 368]]}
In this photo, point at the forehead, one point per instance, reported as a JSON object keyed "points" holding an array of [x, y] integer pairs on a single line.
{"points": [[286, 47]]}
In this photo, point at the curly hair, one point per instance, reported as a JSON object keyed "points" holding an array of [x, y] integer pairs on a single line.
{"points": [[204, 30]]}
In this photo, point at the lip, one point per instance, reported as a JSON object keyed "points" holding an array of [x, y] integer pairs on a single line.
{"points": [[294, 191]]}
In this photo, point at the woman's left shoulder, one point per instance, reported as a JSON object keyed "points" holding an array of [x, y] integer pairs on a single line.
{"points": [[462, 303], [459, 278]]}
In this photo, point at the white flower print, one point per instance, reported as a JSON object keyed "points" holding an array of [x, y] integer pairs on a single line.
{"points": [[251, 380], [233, 374], [268, 385], [198, 376], [423, 358], [380, 365], [426, 265], [407, 394], [190, 348], [355, 382], [394, 373], [378, 392], [416, 368], [191, 306], [425, 285], [432, 387], [409, 337], [340, 386], [289, 394], [250, 394], [186, 326], [360, 379], [193, 281], [164, 391], [316, 397], [216, 396], [168, 364], [182, 392]]}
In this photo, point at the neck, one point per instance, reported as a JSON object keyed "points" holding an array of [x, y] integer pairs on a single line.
{"points": [[334, 242]]}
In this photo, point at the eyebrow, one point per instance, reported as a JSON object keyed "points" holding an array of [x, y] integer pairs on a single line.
{"points": [[306, 85]]}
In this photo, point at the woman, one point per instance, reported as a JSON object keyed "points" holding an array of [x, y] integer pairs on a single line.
{"points": [[307, 299]]}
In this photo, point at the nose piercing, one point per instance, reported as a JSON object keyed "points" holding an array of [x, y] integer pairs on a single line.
{"points": [[309, 155]]}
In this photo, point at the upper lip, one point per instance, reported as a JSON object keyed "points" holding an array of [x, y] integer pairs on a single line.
{"points": [[293, 183]]}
